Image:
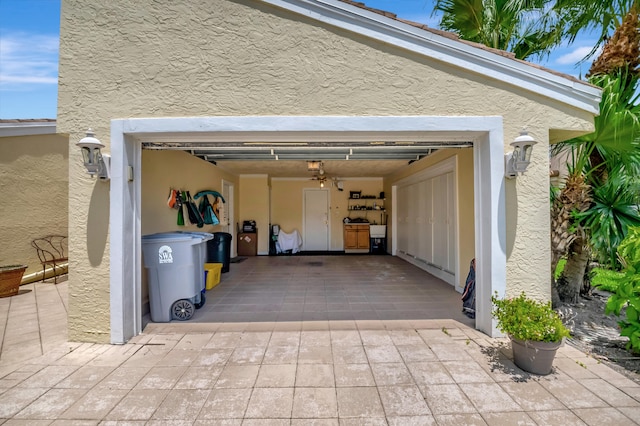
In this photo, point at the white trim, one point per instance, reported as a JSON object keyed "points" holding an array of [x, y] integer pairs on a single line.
{"points": [[27, 129], [485, 62], [490, 225], [377, 178], [125, 244], [417, 128], [126, 134], [447, 165]]}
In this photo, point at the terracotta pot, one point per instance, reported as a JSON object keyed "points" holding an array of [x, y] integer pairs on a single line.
{"points": [[534, 357], [10, 278]]}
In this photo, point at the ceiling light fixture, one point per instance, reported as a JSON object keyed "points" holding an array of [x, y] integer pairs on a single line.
{"points": [[314, 166]]}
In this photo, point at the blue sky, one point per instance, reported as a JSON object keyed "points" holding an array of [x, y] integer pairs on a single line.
{"points": [[29, 33]]}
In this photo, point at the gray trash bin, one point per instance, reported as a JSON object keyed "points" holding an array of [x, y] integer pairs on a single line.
{"points": [[202, 247], [175, 266]]}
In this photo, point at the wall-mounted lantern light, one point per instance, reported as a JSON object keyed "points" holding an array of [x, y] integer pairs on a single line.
{"points": [[95, 162], [516, 162]]}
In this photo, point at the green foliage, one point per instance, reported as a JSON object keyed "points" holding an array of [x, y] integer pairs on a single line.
{"points": [[559, 268], [527, 28], [628, 292], [613, 211], [609, 158], [527, 319], [606, 279], [600, 18]]}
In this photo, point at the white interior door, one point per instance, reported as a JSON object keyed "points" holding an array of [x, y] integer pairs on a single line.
{"points": [[316, 220]]}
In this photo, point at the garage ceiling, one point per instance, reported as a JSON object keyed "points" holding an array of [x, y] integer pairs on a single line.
{"points": [[289, 159]]}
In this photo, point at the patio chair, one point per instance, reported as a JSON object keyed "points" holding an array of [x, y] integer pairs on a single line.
{"points": [[52, 251]]}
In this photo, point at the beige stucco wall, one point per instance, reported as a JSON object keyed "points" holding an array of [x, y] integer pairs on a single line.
{"points": [[124, 58], [35, 191], [287, 205]]}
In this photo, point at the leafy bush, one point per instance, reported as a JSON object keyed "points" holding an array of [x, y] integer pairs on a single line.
{"points": [[528, 319], [627, 293], [606, 279], [560, 268]]}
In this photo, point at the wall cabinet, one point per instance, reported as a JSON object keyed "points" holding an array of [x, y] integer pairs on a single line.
{"points": [[356, 238]]}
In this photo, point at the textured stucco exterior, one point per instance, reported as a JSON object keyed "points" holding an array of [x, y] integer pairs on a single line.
{"points": [[123, 58], [35, 192]]}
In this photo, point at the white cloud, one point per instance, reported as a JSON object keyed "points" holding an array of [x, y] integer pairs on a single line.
{"points": [[576, 55], [28, 59]]}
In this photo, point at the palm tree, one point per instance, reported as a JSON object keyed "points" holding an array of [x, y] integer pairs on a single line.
{"points": [[601, 16], [524, 27], [601, 161], [533, 27]]}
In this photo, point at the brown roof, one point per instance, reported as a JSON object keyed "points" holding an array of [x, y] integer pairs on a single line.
{"points": [[455, 37]]}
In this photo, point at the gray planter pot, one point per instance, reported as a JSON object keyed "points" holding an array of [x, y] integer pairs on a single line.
{"points": [[534, 357]]}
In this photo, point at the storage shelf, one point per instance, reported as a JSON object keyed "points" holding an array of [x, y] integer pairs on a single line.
{"points": [[366, 205]]}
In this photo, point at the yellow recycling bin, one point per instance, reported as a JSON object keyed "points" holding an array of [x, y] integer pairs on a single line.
{"points": [[213, 274]]}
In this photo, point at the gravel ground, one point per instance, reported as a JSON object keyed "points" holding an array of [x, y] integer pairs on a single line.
{"points": [[598, 335]]}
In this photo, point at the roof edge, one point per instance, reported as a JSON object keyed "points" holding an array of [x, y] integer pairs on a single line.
{"points": [[27, 127], [447, 48]]}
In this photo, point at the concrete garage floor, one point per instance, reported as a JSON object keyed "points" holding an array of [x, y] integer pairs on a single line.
{"points": [[320, 288]]}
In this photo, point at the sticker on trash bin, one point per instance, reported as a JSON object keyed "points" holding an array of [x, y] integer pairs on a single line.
{"points": [[165, 254], [247, 238]]}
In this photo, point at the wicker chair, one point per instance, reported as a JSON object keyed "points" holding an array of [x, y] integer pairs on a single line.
{"points": [[52, 251]]}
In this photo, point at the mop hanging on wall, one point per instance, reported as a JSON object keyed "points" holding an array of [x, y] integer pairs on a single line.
{"points": [[180, 210]]}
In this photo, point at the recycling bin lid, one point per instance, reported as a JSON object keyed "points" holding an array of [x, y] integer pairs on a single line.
{"points": [[205, 236], [168, 236]]}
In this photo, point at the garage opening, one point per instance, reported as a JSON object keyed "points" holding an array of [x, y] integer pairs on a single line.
{"points": [[394, 140]]}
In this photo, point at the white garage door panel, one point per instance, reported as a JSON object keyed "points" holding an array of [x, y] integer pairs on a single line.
{"points": [[414, 215], [425, 233], [403, 208], [426, 225], [440, 218], [451, 220]]}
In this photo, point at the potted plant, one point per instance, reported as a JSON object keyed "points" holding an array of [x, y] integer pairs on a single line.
{"points": [[535, 329], [10, 278]]}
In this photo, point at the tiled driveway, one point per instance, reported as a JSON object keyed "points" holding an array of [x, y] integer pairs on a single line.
{"points": [[323, 372]]}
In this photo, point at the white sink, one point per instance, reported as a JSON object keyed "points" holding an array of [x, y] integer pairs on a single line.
{"points": [[377, 231]]}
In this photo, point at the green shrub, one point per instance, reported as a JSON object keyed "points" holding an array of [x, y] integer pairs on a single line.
{"points": [[528, 319], [560, 268], [627, 294], [606, 279]]}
